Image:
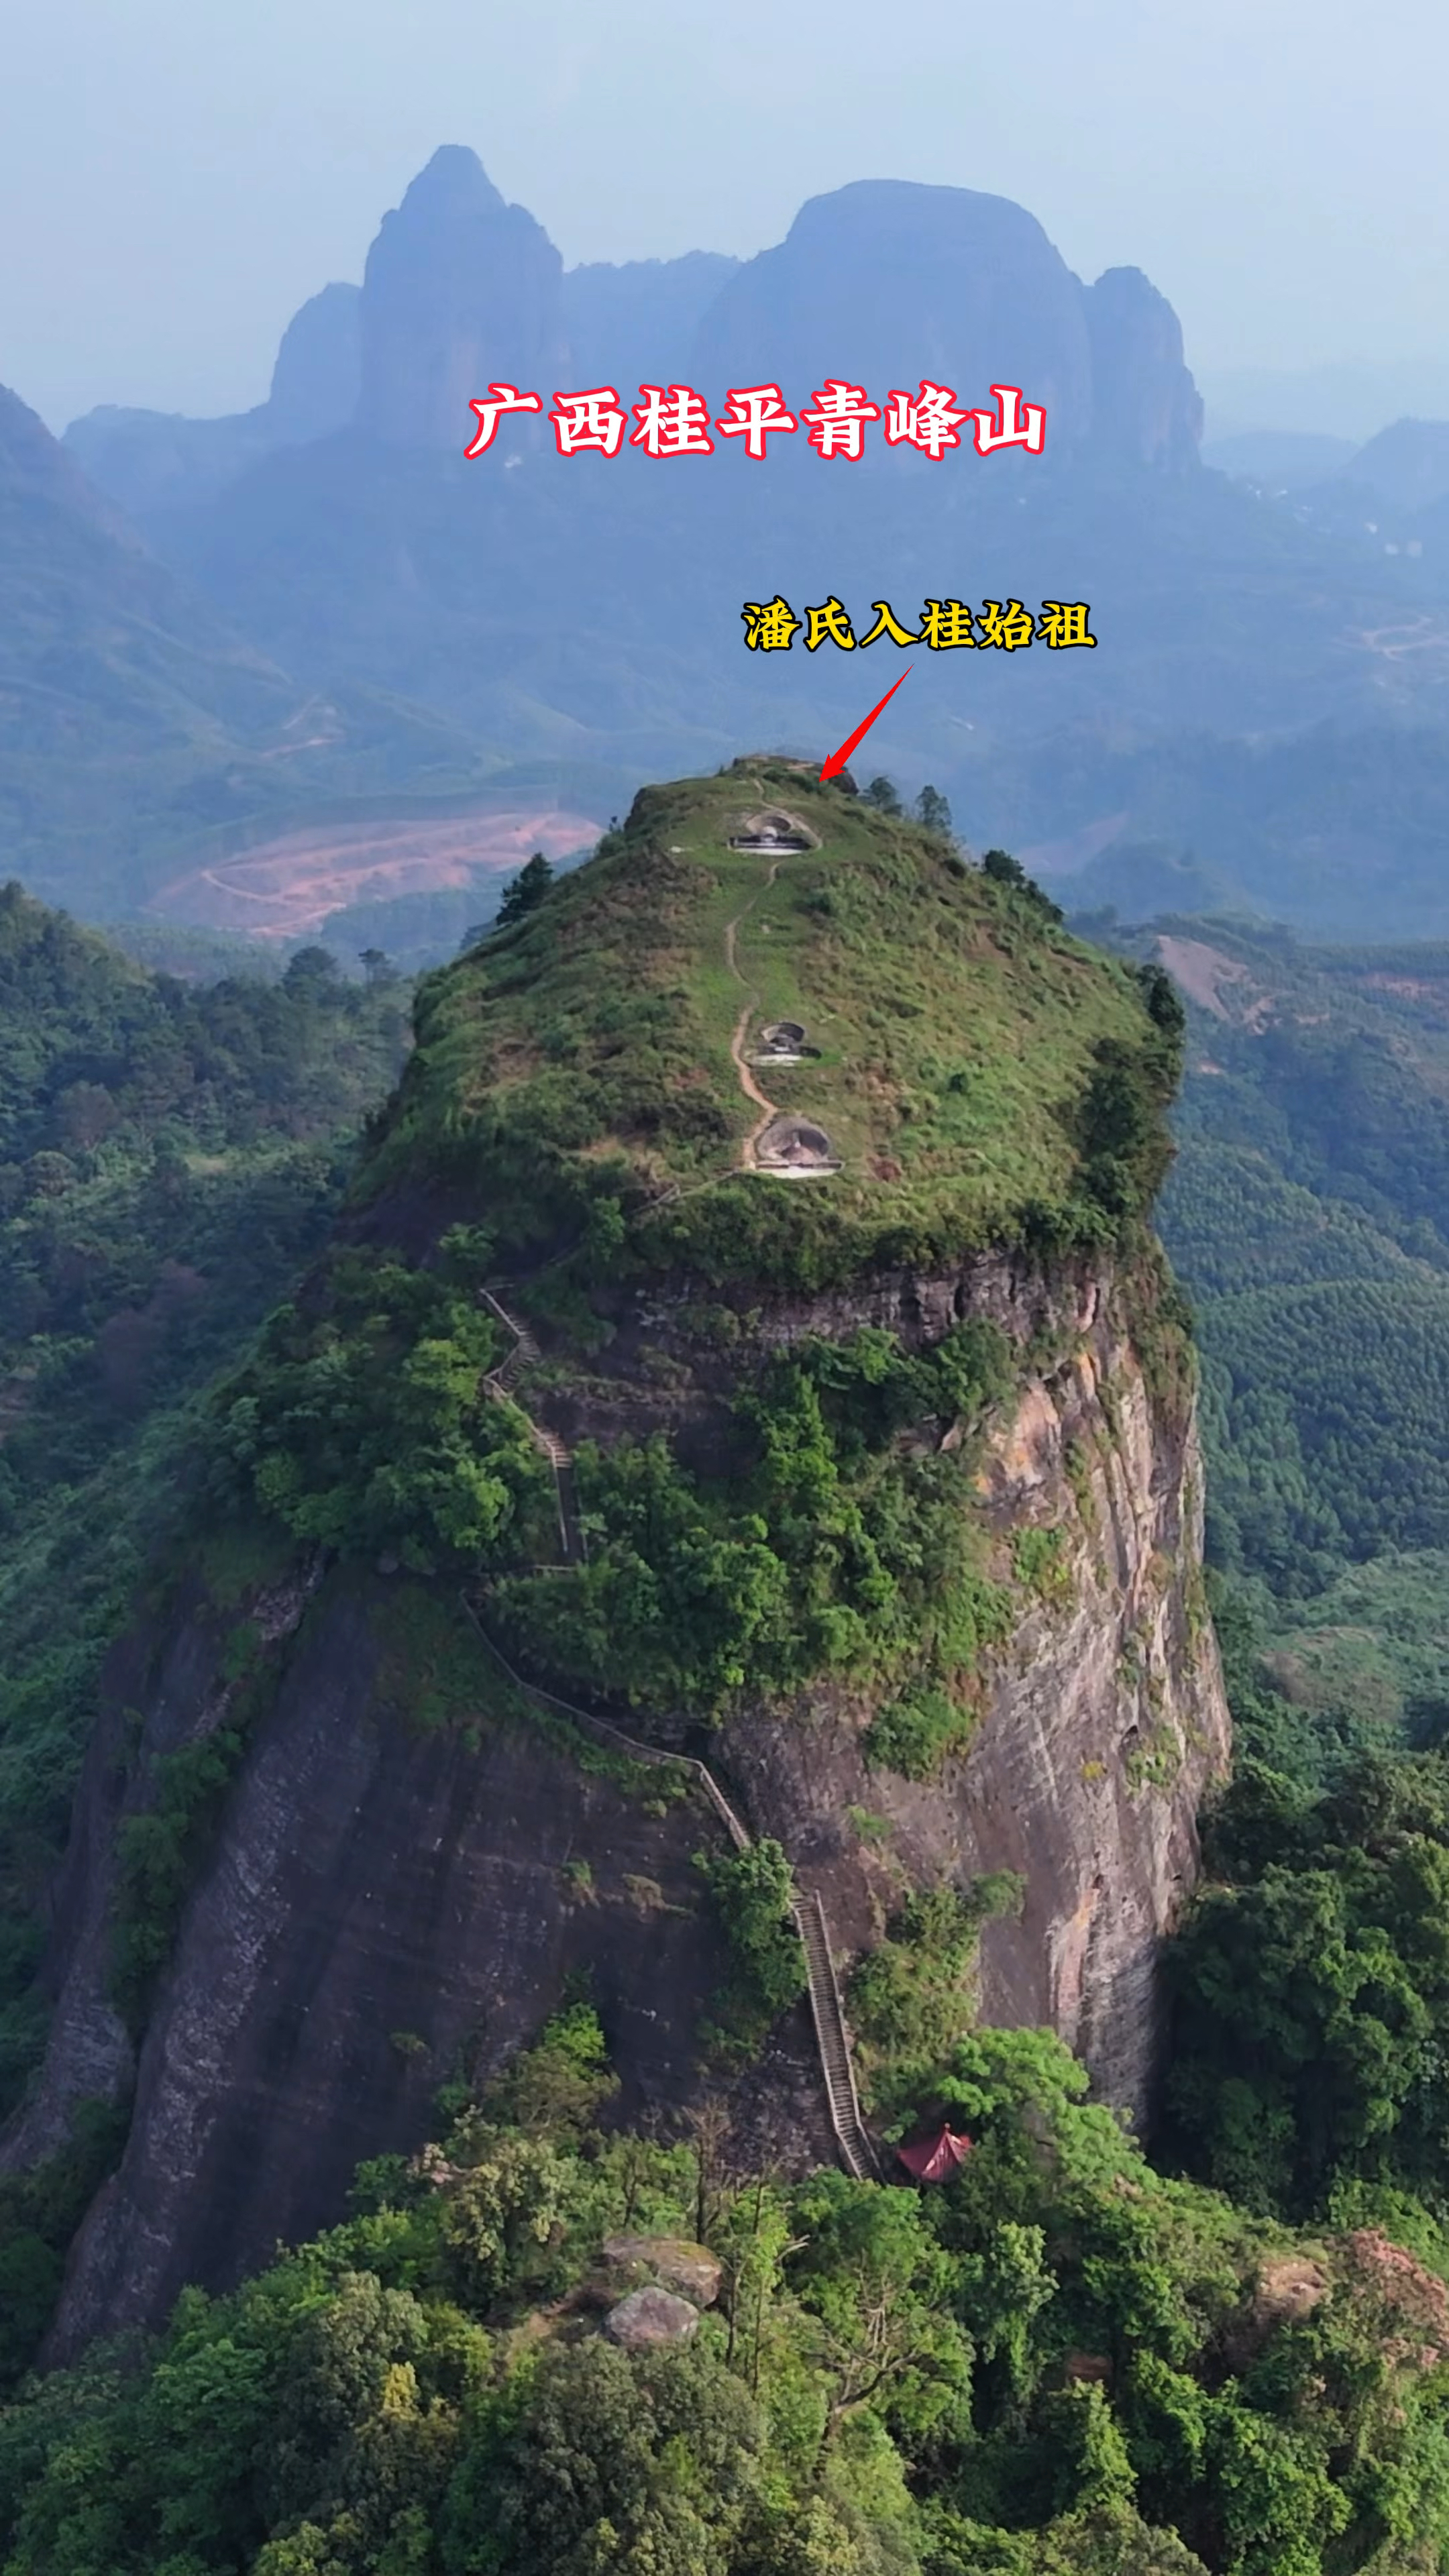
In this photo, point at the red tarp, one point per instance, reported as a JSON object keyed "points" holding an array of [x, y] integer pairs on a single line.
{"points": [[935, 2159]]}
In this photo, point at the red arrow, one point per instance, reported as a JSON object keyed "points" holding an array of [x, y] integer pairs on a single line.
{"points": [[838, 759]]}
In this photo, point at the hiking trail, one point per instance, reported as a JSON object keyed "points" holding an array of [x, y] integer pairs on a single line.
{"points": [[768, 1109]]}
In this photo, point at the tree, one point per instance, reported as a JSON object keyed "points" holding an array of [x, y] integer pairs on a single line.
{"points": [[524, 893], [872, 2271], [498, 2216], [883, 795], [643, 2463], [311, 970], [933, 812], [754, 1890], [1004, 870], [560, 2084]]}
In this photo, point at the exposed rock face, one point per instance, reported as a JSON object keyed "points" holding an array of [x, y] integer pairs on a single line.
{"points": [[1100, 1729], [1147, 408], [387, 1897], [461, 290], [387, 1902], [889, 281], [650, 2317]]}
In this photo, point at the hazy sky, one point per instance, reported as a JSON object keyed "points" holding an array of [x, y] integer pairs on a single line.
{"points": [[177, 175]]}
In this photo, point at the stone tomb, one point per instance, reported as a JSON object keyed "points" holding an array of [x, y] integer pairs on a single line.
{"points": [[783, 1042], [796, 1149], [777, 835]]}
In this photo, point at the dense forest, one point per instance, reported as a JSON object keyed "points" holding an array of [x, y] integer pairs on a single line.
{"points": [[170, 1156], [1307, 1215], [1059, 2361]]}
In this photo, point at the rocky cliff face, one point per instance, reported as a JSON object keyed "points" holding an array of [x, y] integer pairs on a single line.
{"points": [[461, 290], [388, 1903], [315, 379], [1146, 407], [1099, 1728], [410, 1865], [890, 281], [887, 281]]}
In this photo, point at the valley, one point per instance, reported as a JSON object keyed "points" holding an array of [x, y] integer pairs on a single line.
{"points": [[287, 889]]}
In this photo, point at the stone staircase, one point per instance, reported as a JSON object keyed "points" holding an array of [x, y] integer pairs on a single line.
{"points": [[501, 1382], [525, 1349], [832, 2037]]}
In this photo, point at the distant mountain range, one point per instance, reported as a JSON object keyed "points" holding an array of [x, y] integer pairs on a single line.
{"points": [[581, 618]]}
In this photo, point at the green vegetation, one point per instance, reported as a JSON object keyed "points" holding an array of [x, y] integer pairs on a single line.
{"points": [[917, 1732], [1375, 1643], [1310, 2009], [754, 1893], [523, 893], [835, 1546], [363, 1422], [1308, 1215], [1055, 2362], [170, 1156], [1038, 1560], [978, 1071], [139, 735], [911, 1997], [1061, 2360], [1313, 1987], [156, 1849]]}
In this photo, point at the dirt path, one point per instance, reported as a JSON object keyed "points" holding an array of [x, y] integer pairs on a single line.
{"points": [[749, 1160]]}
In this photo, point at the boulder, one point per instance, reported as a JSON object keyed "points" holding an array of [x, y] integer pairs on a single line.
{"points": [[649, 2317], [673, 2262]]}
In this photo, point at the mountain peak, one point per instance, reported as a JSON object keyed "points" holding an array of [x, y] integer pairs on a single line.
{"points": [[460, 288], [455, 182]]}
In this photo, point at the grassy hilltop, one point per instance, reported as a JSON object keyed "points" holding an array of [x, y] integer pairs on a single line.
{"points": [[588, 1109], [970, 1060]]}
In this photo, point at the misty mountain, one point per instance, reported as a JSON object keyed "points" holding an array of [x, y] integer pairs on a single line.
{"points": [[1281, 460], [588, 610], [626, 325], [1406, 465], [888, 281], [149, 460], [1350, 400], [135, 720]]}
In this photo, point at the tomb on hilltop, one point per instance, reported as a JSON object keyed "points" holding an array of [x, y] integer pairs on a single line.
{"points": [[783, 1042], [773, 835], [795, 1148]]}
